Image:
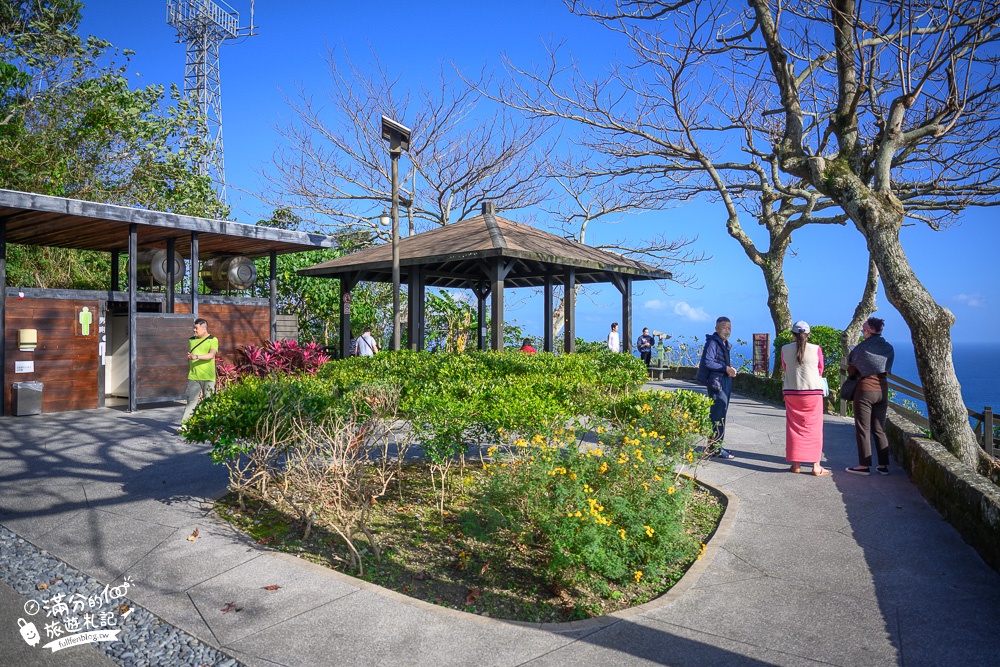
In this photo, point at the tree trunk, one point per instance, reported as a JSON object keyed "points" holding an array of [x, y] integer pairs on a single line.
{"points": [[773, 268], [930, 326]]}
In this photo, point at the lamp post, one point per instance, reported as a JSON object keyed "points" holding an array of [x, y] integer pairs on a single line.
{"points": [[398, 137]]}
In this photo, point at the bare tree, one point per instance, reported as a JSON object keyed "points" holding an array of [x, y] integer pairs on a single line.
{"points": [[889, 110], [583, 197], [333, 167], [655, 143]]}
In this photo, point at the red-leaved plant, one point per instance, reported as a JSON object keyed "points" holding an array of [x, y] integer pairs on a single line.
{"points": [[283, 356]]}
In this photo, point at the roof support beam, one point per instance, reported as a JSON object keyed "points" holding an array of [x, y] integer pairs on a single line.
{"points": [[133, 252], [347, 283], [627, 315], [272, 283], [496, 287], [171, 275], [415, 309], [548, 343], [194, 274], [3, 315], [569, 305], [482, 291]]}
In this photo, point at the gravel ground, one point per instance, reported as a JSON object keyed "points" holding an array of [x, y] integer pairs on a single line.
{"points": [[145, 640]]}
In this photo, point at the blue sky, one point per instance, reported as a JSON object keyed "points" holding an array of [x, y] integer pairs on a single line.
{"points": [[825, 273]]}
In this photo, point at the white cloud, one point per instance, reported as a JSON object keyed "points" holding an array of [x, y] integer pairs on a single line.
{"points": [[975, 300], [656, 304], [685, 310]]}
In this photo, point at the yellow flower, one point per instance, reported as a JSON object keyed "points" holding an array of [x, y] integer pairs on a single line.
{"points": [[637, 575], [645, 486], [604, 468], [649, 531], [572, 475], [621, 533], [670, 491], [657, 478]]}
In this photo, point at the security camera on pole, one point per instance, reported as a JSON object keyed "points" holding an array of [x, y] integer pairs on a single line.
{"points": [[398, 137]]}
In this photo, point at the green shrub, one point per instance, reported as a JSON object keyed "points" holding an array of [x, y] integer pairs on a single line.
{"points": [[614, 510]]}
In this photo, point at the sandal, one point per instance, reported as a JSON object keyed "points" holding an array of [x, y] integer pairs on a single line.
{"points": [[859, 470], [821, 473], [795, 469]]}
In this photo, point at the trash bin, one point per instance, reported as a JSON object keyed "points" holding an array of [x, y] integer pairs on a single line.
{"points": [[26, 398]]}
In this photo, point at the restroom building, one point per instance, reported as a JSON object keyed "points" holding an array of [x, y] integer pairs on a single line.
{"points": [[127, 344]]}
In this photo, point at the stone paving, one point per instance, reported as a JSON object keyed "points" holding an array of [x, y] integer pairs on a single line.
{"points": [[839, 570]]}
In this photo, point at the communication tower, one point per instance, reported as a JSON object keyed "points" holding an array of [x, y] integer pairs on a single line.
{"points": [[203, 25]]}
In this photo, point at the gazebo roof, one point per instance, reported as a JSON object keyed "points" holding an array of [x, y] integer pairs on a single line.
{"points": [[452, 256]]}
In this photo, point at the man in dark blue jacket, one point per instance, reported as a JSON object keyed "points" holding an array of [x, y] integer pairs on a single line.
{"points": [[717, 372]]}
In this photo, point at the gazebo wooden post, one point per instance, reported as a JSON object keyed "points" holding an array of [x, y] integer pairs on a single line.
{"points": [[347, 283], [133, 380], [171, 275], [627, 314], [569, 306], [194, 274], [624, 285], [549, 336], [496, 300], [272, 292], [415, 309], [482, 290], [3, 315]]}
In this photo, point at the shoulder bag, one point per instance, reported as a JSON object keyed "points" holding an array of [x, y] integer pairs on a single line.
{"points": [[848, 388]]}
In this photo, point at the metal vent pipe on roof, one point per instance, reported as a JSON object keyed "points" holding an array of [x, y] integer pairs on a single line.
{"points": [[489, 208]]}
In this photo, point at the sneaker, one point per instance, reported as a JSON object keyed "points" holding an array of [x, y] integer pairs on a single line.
{"points": [[722, 453], [860, 470], [883, 470]]}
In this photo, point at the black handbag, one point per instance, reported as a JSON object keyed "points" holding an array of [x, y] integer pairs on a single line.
{"points": [[848, 388]]}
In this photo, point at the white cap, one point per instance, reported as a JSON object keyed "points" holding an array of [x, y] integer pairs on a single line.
{"points": [[800, 327]]}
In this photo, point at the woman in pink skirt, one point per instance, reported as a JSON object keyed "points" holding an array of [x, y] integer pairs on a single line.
{"points": [[802, 362]]}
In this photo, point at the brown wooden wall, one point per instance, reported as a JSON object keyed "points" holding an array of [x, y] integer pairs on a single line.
{"points": [[161, 363], [67, 363], [234, 326]]}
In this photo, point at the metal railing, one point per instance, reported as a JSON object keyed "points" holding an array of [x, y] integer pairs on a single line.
{"points": [[985, 421]]}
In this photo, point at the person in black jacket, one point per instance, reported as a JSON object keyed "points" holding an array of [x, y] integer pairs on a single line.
{"points": [[717, 372], [645, 345]]}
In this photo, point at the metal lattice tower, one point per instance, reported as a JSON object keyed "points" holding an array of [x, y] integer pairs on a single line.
{"points": [[203, 26]]}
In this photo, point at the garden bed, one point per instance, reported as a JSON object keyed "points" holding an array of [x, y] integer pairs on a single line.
{"points": [[442, 563]]}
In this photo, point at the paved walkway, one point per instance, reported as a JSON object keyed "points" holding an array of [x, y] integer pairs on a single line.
{"points": [[839, 570]]}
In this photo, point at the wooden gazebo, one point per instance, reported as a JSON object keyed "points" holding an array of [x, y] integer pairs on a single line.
{"points": [[486, 254]]}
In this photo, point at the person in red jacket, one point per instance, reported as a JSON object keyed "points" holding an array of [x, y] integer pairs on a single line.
{"points": [[526, 347]]}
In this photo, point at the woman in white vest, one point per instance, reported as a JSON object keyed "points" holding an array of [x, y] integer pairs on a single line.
{"points": [[802, 362]]}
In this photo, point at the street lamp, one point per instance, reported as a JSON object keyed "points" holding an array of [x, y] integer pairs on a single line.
{"points": [[398, 137]]}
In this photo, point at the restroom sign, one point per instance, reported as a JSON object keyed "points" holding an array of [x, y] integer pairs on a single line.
{"points": [[85, 325]]}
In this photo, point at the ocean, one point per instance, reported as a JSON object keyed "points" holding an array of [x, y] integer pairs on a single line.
{"points": [[977, 366]]}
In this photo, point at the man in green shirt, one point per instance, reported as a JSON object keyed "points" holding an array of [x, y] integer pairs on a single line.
{"points": [[202, 350]]}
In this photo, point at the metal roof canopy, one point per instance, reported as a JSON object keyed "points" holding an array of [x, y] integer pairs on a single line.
{"points": [[485, 254], [42, 220]]}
